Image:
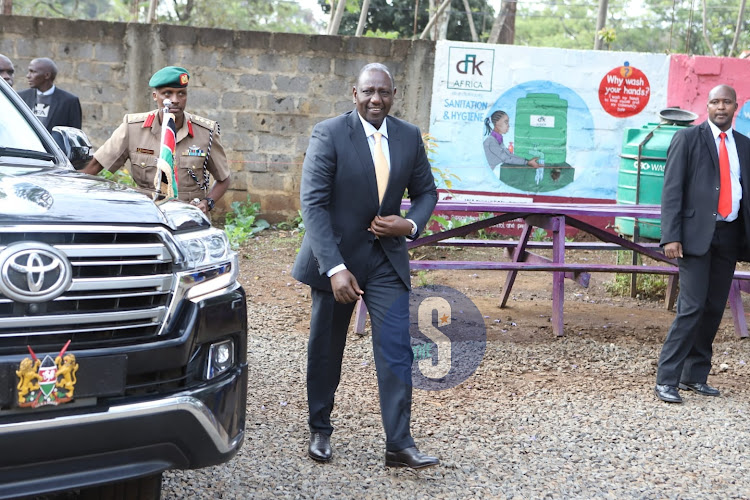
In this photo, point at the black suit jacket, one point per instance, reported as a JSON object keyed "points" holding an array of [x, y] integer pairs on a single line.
{"points": [[339, 197], [65, 108], [690, 194]]}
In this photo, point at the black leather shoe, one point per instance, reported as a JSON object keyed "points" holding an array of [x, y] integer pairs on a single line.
{"points": [[320, 447], [702, 389], [409, 457], [667, 393]]}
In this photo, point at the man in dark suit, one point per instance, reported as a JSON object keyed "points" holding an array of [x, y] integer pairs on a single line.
{"points": [[6, 69], [356, 169], [52, 105], [704, 219]]}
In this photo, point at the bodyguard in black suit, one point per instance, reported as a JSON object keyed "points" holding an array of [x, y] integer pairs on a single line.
{"points": [[704, 220], [355, 245], [52, 105]]}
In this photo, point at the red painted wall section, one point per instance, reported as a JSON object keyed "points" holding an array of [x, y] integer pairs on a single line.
{"points": [[691, 78]]}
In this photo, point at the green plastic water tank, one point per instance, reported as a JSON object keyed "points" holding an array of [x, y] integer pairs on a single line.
{"points": [[655, 139], [540, 131]]}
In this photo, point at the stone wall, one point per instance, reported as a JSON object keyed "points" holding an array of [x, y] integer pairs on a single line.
{"points": [[267, 90]]}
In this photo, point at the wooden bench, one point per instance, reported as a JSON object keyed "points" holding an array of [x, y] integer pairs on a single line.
{"points": [[554, 218]]}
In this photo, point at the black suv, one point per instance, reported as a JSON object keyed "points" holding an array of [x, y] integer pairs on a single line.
{"points": [[123, 329]]}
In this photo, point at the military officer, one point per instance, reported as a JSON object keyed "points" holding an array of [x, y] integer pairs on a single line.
{"points": [[199, 153]]}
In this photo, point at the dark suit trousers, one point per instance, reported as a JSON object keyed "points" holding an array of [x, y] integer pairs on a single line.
{"points": [[387, 300], [704, 288]]}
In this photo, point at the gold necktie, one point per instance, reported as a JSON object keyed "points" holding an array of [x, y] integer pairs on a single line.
{"points": [[381, 167]]}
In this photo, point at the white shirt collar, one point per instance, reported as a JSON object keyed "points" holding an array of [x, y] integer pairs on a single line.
{"points": [[716, 131], [49, 91], [370, 128]]}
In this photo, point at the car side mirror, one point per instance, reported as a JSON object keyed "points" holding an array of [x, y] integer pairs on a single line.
{"points": [[75, 144]]}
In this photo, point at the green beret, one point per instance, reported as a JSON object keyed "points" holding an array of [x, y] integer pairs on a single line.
{"points": [[171, 76]]}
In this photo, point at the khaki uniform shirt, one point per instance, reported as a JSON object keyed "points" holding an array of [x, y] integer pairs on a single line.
{"points": [[138, 139]]}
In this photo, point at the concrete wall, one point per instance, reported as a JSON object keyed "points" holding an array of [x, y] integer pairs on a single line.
{"points": [[267, 90]]}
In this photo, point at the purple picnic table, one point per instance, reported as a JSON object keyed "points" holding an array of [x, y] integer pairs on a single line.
{"points": [[555, 217]]}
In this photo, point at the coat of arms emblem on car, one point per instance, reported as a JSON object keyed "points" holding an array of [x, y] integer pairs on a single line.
{"points": [[46, 382], [33, 272]]}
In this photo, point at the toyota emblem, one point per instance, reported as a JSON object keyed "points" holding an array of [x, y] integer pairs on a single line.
{"points": [[34, 272]]}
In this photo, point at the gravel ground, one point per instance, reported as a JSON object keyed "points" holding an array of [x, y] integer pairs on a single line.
{"points": [[554, 418]]}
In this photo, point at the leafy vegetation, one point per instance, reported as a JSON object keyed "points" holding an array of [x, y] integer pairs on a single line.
{"points": [[423, 279], [242, 223], [438, 223], [258, 15], [658, 26], [295, 224], [539, 234], [397, 16], [121, 176], [648, 286], [707, 27]]}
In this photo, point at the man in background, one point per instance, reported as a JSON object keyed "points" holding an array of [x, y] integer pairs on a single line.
{"points": [[6, 69], [705, 217], [199, 153], [50, 104]]}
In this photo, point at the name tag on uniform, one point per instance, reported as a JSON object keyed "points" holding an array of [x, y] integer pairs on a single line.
{"points": [[144, 151], [193, 151]]}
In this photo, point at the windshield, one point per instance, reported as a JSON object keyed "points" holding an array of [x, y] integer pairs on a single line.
{"points": [[15, 131]]}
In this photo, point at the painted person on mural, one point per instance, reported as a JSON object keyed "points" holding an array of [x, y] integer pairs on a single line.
{"points": [[705, 217], [357, 167], [199, 153], [6, 69], [495, 149]]}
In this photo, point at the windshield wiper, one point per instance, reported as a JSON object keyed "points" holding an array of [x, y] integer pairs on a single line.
{"points": [[26, 153]]}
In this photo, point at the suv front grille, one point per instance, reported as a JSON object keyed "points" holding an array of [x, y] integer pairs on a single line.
{"points": [[122, 287]]}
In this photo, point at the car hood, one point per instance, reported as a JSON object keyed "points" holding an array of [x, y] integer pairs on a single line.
{"points": [[31, 195]]}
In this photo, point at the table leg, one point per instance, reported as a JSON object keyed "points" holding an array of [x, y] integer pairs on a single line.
{"points": [[360, 316], [738, 311], [671, 295], [510, 278], [558, 277]]}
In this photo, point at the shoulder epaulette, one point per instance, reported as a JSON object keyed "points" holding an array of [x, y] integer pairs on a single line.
{"points": [[137, 117], [203, 122]]}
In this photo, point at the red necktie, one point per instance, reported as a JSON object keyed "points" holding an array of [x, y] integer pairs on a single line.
{"points": [[725, 189]]}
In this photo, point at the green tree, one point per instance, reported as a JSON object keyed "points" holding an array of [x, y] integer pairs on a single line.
{"points": [[659, 26], [257, 15], [262, 15], [687, 29], [566, 24], [397, 16], [73, 9]]}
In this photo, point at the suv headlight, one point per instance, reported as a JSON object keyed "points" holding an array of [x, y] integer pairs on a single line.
{"points": [[204, 248], [209, 262]]}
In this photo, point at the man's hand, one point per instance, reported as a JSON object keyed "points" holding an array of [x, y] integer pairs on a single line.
{"points": [[345, 287], [202, 204], [673, 250], [93, 167], [390, 225]]}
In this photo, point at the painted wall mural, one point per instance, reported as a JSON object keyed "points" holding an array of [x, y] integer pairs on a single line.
{"points": [[521, 122]]}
